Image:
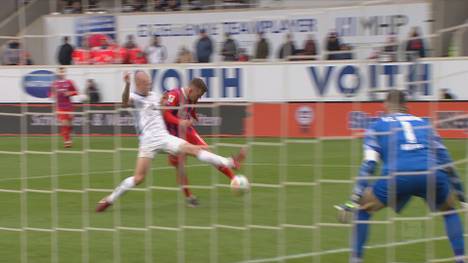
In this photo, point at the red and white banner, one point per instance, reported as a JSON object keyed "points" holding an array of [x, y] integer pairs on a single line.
{"points": [[344, 119]]}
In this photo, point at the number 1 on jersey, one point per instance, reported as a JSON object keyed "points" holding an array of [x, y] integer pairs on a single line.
{"points": [[408, 132]]}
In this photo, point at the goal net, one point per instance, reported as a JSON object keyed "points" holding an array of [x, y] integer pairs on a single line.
{"points": [[305, 150]]}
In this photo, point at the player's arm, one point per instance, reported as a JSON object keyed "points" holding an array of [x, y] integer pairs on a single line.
{"points": [[126, 102], [445, 160], [171, 100], [193, 113], [71, 89], [368, 166]]}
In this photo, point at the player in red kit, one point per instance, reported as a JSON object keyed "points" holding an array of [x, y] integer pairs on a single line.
{"points": [[62, 90], [179, 123]]}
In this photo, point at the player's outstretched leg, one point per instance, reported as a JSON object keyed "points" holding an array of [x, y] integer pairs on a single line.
{"points": [[142, 167], [214, 159]]}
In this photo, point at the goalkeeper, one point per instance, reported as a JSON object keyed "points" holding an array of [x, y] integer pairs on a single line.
{"points": [[406, 144]]}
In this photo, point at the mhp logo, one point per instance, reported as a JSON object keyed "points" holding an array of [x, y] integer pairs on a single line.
{"points": [[38, 82]]}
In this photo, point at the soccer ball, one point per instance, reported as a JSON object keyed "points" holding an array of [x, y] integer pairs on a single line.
{"points": [[240, 185]]}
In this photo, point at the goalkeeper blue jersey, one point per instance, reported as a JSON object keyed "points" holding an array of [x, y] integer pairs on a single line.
{"points": [[405, 143]]}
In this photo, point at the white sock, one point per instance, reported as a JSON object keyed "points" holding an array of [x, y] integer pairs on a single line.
{"points": [[216, 160], [123, 187]]}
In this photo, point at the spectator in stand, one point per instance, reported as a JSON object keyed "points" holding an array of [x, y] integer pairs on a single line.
{"points": [[243, 56], [415, 47], [160, 5], [195, 5], [310, 47], [76, 7], [130, 42], [184, 56], [288, 48], [345, 55], [81, 55], [14, 54], [446, 95], [133, 5], [65, 53], [103, 54], [136, 56], [204, 47], [156, 53], [92, 92], [229, 51], [390, 49], [173, 5], [333, 45], [262, 50]]}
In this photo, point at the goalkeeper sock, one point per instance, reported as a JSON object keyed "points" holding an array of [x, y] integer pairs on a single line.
{"points": [[226, 171], [123, 187], [211, 158], [360, 234], [454, 229]]}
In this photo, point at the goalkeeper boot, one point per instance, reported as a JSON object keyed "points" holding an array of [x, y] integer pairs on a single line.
{"points": [[67, 144]]}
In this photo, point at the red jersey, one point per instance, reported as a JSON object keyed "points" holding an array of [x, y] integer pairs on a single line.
{"points": [[102, 56], [81, 56], [62, 90], [175, 98]]}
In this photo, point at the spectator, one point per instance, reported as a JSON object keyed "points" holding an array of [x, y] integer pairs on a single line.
{"points": [[92, 91], [390, 49], [195, 5], [262, 51], [133, 5], [243, 56], [288, 48], [415, 46], [173, 5], [446, 95], [76, 7], [204, 47], [156, 53], [65, 53], [103, 54], [333, 45], [130, 42], [81, 55], [345, 55], [310, 47], [229, 51], [13, 54], [184, 56], [160, 5]]}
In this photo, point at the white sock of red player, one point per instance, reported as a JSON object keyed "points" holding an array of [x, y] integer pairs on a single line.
{"points": [[123, 187], [216, 160]]}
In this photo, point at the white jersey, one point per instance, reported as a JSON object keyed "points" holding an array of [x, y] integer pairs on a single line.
{"points": [[149, 121]]}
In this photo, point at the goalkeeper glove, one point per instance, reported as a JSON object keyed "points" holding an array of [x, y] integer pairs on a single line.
{"points": [[346, 211]]}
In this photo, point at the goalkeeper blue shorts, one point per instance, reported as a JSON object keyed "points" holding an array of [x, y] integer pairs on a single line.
{"points": [[405, 186]]}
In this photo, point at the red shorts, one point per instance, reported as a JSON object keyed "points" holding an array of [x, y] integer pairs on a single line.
{"points": [[191, 137], [64, 115]]}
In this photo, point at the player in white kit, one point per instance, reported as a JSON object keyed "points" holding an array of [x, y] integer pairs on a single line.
{"points": [[154, 137]]}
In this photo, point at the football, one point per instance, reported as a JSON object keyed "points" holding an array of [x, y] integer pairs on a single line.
{"points": [[240, 185]]}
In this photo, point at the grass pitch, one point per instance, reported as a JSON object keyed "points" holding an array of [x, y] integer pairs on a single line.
{"points": [[292, 221]]}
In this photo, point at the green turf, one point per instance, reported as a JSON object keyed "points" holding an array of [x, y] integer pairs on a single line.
{"points": [[264, 206]]}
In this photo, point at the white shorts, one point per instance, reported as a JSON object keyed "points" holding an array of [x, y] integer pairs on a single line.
{"points": [[166, 143]]}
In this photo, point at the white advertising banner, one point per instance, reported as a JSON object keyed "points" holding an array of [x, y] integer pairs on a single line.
{"points": [[359, 26], [257, 82]]}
